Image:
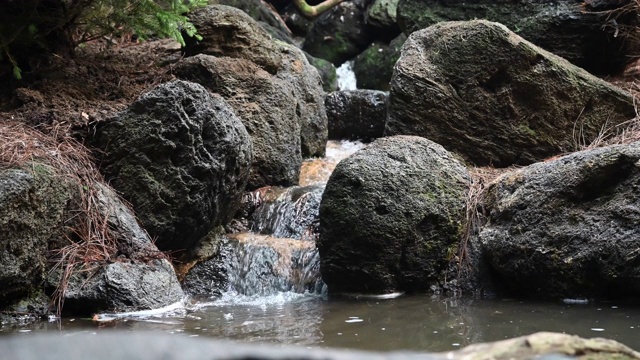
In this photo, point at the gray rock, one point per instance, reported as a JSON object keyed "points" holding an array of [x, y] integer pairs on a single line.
{"points": [[259, 11], [341, 33], [266, 106], [373, 68], [484, 92], [227, 31], [390, 216], [123, 286], [305, 84], [563, 27], [140, 278], [181, 157], [382, 14], [236, 35], [33, 205], [356, 114], [568, 227]]}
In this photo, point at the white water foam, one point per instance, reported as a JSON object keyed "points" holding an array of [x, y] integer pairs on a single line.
{"points": [[175, 309], [232, 298], [346, 76]]}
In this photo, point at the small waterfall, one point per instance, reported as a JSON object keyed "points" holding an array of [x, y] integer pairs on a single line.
{"points": [[289, 213], [278, 254], [264, 265], [346, 76]]}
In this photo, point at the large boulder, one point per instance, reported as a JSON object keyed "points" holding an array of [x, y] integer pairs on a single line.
{"points": [[567, 227], [304, 83], [340, 33], [265, 106], [225, 32], [566, 28], [390, 216], [356, 114], [232, 33], [484, 92], [259, 11], [381, 14], [181, 157], [33, 205], [373, 68]]}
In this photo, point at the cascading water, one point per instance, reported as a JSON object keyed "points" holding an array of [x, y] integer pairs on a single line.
{"points": [[278, 254]]}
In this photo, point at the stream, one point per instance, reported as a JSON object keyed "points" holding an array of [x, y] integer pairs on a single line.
{"points": [[274, 295]]}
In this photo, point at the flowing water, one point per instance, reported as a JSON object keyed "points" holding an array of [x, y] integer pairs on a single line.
{"points": [[274, 295]]}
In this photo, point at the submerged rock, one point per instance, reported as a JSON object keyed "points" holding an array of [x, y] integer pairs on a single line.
{"points": [[391, 217], [566, 28], [356, 114], [567, 227], [181, 157], [484, 92]]}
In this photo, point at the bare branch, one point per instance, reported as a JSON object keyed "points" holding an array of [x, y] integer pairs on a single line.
{"points": [[313, 11]]}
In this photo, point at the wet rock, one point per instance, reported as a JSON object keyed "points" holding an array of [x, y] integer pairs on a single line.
{"points": [[390, 216], [374, 66], [181, 157], [512, 104], [340, 33], [266, 107], [327, 72], [568, 227], [356, 114], [226, 32], [252, 264], [139, 278], [123, 286], [33, 205], [288, 212], [564, 27]]}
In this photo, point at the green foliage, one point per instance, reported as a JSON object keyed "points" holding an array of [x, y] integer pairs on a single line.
{"points": [[144, 18], [34, 29]]}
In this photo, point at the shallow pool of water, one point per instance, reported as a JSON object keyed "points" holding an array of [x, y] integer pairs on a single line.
{"points": [[422, 323]]}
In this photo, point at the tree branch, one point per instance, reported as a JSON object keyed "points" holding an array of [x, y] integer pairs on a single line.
{"points": [[313, 11]]}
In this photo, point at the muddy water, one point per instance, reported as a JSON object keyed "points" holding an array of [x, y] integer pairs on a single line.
{"points": [[410, 322]]}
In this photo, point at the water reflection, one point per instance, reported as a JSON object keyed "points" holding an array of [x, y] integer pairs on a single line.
{"points": [[408, 322]]}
